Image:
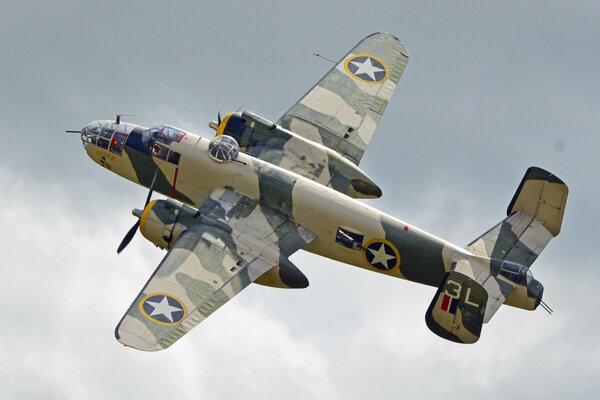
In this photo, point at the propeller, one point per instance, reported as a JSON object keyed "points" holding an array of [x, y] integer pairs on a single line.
{"points": [[131, 233]]}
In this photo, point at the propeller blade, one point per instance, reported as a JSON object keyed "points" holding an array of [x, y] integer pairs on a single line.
{"points": [[218, 117], [131, 233], [73, 131], [151, 188], [128, 236]]}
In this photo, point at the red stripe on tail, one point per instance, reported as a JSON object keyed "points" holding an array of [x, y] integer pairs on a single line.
{"points": [[445, 302]]}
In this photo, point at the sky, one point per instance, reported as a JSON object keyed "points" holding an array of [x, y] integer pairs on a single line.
{"points": [[491, 88]]}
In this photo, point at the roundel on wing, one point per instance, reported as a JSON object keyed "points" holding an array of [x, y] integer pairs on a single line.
{"points": [[162, 308], [366, 68], [382, 255]]}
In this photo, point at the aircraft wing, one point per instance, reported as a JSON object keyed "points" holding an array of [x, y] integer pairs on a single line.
{"points": [[343, 109], [208, 265]]}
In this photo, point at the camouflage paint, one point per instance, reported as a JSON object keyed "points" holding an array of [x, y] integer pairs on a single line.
{"points": [[294, 187]]}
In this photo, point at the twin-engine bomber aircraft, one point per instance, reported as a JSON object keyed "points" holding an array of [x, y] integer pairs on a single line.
{"points": [[240, 204]]}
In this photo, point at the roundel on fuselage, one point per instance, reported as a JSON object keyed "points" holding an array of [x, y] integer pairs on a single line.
{"points": [[382, 255]]}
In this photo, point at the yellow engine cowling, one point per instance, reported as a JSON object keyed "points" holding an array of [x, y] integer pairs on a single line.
{"points": [[163, 221]]}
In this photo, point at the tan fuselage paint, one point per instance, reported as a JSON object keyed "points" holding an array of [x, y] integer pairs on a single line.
{"points": [[317, 208]]}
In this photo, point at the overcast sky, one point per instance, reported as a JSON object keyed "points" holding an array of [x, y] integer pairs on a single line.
{"points": [[490, 89]]}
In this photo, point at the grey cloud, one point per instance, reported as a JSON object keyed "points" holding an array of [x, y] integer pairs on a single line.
{"points": [[488, 91]]}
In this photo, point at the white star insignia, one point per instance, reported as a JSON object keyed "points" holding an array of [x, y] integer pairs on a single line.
{"points": [[381, 257], [163, 308], [367, 68]]}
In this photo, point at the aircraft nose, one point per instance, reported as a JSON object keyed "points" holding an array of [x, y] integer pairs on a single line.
{"points": [[90, 132], [86, 137], [83, 134]]}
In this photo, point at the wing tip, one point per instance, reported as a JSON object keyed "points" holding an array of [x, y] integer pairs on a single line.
{"points": [[128, 339], [402, 47]]}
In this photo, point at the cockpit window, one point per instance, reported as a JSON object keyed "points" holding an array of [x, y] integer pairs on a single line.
{"points": [[165, 134], [160, 151], [117, 143], [517, 273], [103, 142], [106, 132], [163, 153], [100, 133], [174, 157], [93, 129]]}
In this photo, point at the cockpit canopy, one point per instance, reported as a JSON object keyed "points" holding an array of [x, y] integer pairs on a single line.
{"points": [[164, 133], [111, 136]]}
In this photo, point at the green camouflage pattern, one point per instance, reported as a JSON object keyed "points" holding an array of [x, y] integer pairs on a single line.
{"points": [[460, 322], [343, 109], [534, 217], [269, 142], [216, 253], [236, 214]]}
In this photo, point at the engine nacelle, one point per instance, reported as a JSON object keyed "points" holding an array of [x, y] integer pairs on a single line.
{"points": [[285, 276], [163, 221], [256, 135]]}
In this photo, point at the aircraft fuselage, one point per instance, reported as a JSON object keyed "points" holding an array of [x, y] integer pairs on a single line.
{"points": [[347, 230]]}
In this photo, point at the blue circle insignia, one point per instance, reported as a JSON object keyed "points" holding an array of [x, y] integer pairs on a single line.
{"points": [[162, 308], [366, 68], [382, 255]]}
